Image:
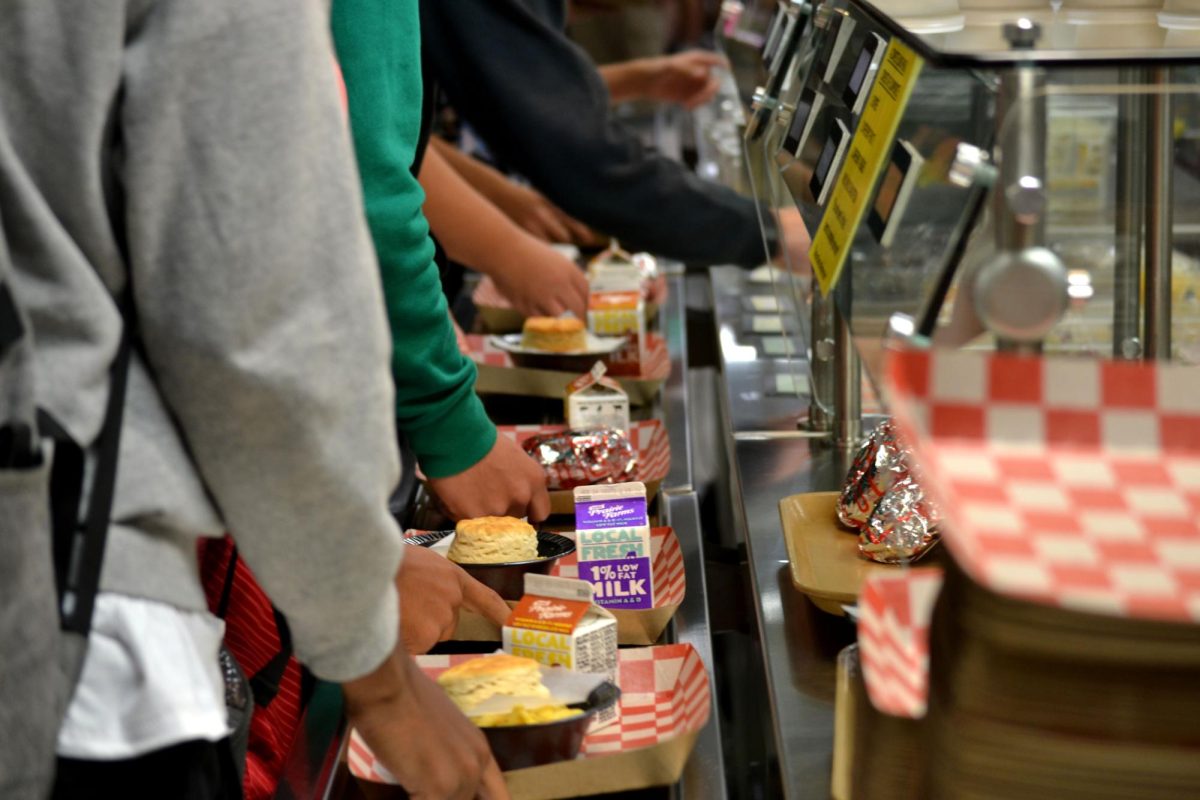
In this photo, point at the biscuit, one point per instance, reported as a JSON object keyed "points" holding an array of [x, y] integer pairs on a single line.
{"points": [[493, 540], [471, 682], [554, 334]]}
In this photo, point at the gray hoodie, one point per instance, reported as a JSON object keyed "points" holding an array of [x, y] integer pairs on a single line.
{"points": [[197, 148]]}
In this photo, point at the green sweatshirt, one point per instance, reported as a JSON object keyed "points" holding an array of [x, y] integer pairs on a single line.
{"points": [[379, 47]]}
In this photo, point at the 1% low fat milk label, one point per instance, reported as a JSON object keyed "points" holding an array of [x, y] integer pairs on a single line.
{"points": [[612, 538]]}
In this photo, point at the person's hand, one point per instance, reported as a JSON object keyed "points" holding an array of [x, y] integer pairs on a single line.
{"points": [[530, 210], [685, 78], [507, 482], [793, 242], [541, 282], [410, 725], [432, 590]]}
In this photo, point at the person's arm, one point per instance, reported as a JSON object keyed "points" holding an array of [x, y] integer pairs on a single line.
{"points": [[436, 404], [523, 205], [685, 78], [542, 108], [474, 471], [530, 273], [259, 307]]}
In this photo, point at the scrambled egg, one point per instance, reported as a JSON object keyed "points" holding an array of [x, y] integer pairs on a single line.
{"points": [[519, 715]]}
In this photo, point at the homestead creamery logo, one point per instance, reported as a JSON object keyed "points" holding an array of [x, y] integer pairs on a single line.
{"points": [[612, 513], [550, 610]]}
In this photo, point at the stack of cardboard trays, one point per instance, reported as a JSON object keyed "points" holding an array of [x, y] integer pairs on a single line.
{"points": [[1064, 643], [883, 760], [1029, 700]]}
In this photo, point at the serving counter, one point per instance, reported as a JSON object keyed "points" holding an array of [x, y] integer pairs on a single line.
{"points": [[771, 458], [316, 764]]}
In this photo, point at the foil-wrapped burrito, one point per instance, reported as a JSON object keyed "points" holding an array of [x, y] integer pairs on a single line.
{"points": [[583, 457], [903, 526], [883, 501], [879, 463]]}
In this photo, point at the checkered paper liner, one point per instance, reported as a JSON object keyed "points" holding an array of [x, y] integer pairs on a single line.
{"points": [[1074, 483], [895, 609], [664, 694], [670, 581], [483, 352], [649, 438], [487, 295]]}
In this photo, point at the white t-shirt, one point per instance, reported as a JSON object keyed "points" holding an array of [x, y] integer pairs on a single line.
{"points": [[151, 679]]}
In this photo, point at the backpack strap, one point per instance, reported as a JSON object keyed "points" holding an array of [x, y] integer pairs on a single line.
{"points": [[18, 449], [79, 545]]}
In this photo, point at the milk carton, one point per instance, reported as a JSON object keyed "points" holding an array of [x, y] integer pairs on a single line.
{"points": [[612, 539], [596, 401], [620, 313], [556, 623], [615, 276]]}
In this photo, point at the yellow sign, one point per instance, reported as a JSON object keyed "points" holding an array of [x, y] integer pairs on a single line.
{"points": [[864, 161]]}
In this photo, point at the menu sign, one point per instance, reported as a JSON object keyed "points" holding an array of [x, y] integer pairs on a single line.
{"points": [[869, 151]]}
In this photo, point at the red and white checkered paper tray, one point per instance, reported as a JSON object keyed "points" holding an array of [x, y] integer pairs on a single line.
{"points": [[665, 701], [497, 374], [498, 316], [895, 610], [649, 438], [1074, 483], [634, 626]]}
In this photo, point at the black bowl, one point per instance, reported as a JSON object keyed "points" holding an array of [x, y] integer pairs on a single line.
{"points": [[521, 746], [508, 580]]}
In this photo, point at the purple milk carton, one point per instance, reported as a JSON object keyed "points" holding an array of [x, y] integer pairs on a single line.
{"points": [[612, 538]]}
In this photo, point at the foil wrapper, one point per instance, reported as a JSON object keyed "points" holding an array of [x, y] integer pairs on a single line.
{"points": [[583, 457], [903, 525], [880, 463]]}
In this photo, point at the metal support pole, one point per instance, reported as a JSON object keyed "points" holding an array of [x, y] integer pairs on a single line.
{"points": [[823, 355], [1020, 199], [1021, 293], [1130, 197], [847, 388], [1159, 207]]}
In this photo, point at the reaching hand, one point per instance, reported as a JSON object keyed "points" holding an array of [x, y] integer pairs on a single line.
{"points": [[685, 78], [542, 282], [420, 736], [530, 210], [507, 482], [432, 590], [793, 242]]}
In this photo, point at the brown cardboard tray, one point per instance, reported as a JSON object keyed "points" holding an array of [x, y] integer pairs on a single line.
{"points": [[824, 556], [665, 686]]}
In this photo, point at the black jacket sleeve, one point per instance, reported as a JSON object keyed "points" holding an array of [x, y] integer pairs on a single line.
{"points": [[543, 109]]}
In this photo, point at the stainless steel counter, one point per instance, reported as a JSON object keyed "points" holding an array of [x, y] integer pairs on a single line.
{"points": [[769, 460], [761, 385]]}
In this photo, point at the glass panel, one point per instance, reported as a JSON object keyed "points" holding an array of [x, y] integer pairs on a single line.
{"points": [[1093, 30], [930, 231]]}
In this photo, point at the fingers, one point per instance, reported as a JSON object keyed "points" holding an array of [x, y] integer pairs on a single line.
{"points": [[576, 300], [554, 228], [539, 505], [550, 307], [706, 57], [579, 233], [492, 786], [484, 601], [703, 95]]}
